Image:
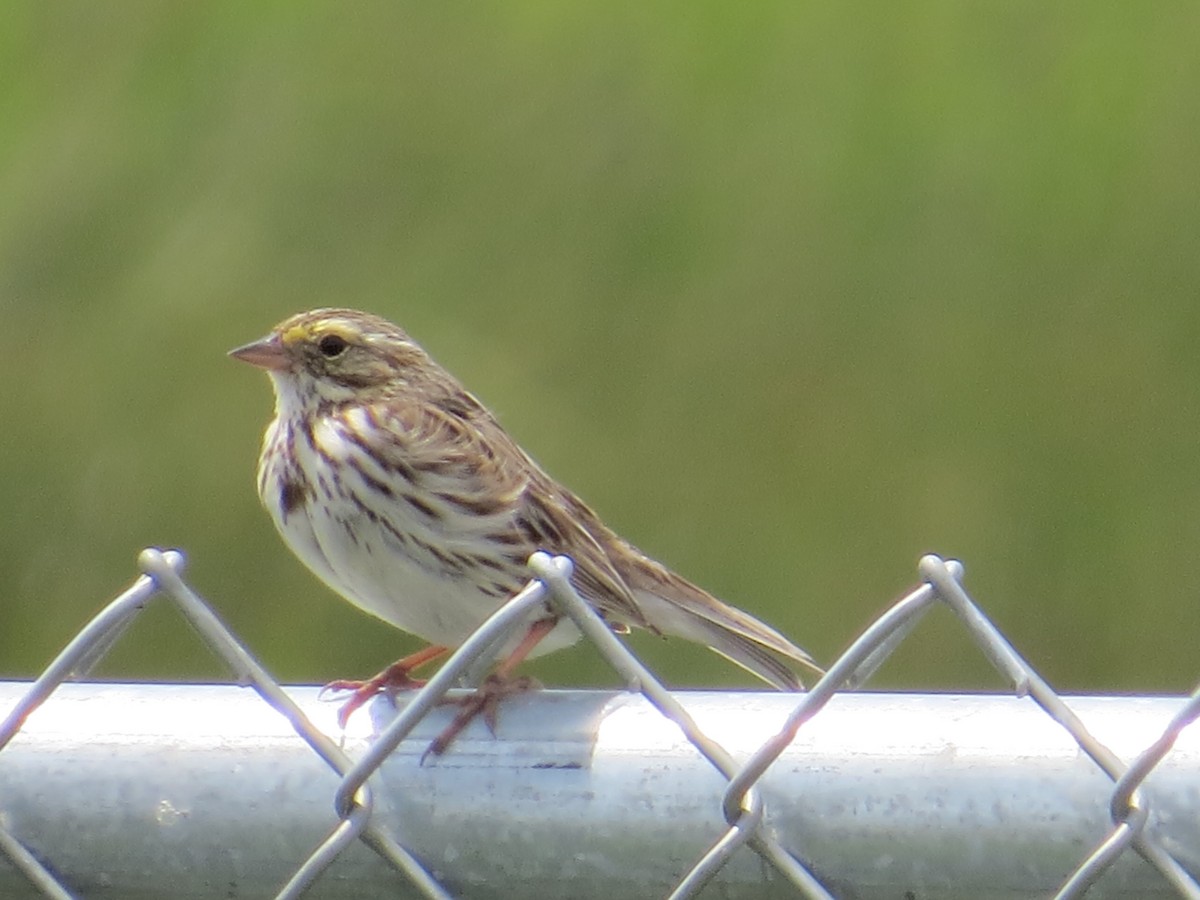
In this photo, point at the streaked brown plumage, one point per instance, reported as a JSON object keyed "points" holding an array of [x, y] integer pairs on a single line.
{"points": [[403, 493]]}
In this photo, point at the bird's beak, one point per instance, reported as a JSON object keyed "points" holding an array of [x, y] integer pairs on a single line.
{"points": [[266, 354]]}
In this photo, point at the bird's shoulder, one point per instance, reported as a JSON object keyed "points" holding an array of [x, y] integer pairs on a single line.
{"points": [[456, 437]]}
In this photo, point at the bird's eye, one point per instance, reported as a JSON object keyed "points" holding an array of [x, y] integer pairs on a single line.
{"points": [[331, 346]]}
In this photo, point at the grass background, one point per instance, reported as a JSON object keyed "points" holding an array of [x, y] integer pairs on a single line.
{"points": [[792, 294]]}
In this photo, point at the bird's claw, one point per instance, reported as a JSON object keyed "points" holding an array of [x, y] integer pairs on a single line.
{"points": [[483, 701], [391, 680]]}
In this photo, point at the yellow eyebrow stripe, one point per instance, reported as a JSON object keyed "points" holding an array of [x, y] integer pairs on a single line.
{"points": [[294, 335]]}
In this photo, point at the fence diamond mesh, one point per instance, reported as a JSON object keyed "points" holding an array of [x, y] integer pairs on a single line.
{"points": [[1150, 801]]}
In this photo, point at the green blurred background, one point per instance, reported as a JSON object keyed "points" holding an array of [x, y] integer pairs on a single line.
{"points": [[792, 293]]}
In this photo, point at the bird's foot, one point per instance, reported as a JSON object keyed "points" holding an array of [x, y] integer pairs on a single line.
{"points": [[387, 681], [396, 677], [484, 701]]}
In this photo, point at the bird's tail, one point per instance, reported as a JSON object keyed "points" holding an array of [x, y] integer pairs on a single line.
{"points": [[676, 606]]}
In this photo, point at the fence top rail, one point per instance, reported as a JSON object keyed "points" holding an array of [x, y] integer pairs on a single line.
{"points": [[895, 723], [934, 778]]}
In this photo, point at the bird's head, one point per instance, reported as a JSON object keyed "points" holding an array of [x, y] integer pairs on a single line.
{"points": [[336, 355]]}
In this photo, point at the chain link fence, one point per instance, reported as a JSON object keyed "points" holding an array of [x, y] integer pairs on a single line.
{"points": [[794, 858]]}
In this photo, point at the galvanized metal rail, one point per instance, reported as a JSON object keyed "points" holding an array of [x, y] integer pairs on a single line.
{"points": [[201, 791]]}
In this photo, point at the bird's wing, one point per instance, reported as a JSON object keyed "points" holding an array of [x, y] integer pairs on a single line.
{"points": [[464, 458], [557, 521]]}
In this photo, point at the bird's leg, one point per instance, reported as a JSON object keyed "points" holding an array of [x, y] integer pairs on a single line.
{"points": [[394, 678], [486, 698]]}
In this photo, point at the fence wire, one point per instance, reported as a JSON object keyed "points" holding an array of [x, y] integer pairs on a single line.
{"points": [[743, 807]]}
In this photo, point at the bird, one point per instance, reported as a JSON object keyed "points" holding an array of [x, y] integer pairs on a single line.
{"points": [[405, 495]]}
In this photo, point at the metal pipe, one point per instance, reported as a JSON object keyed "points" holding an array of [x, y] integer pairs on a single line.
{"points": [[203, 791]]}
